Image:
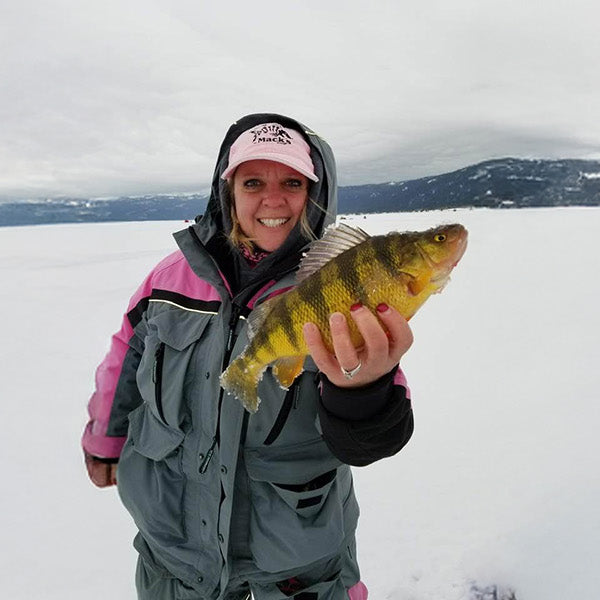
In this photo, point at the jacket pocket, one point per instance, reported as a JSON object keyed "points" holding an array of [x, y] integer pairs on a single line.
{"points": [[157, 369], [150, 478], [307, 498], [163, 370], [297, 495]]}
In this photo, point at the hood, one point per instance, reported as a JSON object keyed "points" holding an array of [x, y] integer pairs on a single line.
{"points": [[323, 193], [213, 227]]}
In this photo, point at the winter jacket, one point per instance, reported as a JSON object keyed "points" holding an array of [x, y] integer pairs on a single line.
{"points": [[158, 406]]}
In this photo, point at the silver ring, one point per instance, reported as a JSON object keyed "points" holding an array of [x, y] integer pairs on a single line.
{"points": [[350, 374]]}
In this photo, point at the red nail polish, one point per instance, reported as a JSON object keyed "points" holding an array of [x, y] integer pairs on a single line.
{"points": [[355, 306], [382, 307]]}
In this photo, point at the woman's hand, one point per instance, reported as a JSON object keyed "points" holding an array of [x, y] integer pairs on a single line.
{"points": [[102, 474], [385, 344]]}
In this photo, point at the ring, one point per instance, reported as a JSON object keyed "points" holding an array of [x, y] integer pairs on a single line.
{"points": [[350, 374]]}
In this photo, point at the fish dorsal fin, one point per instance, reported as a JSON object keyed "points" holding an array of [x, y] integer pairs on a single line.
{"points": [[259, 314], [337, 239]]}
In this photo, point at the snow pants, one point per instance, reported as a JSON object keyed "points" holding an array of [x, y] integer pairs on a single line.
{"points": [[333, 579]]}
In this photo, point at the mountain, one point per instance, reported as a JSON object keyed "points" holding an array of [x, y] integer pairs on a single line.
{"points": [[163, 207], [502, 183]]}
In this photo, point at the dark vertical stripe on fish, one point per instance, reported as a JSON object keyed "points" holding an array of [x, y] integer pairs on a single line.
{"points": [[286, 319], [262, 340], [311, 291], [385, 254], [348, 273]]}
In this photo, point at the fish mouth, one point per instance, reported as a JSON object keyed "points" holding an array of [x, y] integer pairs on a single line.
{"points": [[461, 246], [444, 267], [270, 222]]}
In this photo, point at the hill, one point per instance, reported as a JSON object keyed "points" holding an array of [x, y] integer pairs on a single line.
{"points": [[502, 183], [506, 183]]}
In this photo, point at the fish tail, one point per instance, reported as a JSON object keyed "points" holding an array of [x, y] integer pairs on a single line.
{"points": [[241, 380]]}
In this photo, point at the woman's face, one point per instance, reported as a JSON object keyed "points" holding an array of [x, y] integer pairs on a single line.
{"points": [[269, 199]]}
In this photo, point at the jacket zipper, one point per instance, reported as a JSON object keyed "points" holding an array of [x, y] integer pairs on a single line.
{"points": [[235, 315], [287, 267], [290, 400], [208, 456], [159, 357]]}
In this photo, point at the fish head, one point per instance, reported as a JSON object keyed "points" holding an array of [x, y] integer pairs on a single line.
{"points": [[441, 248]]}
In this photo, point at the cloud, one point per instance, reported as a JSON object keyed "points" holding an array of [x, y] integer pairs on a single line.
{"points": [[449, 149], [116, 98]]}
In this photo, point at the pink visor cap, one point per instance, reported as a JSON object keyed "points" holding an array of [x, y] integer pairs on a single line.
{"points": [[271, 141]]}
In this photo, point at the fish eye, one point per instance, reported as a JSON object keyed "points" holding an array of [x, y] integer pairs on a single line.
{"points": [[440, 237]]}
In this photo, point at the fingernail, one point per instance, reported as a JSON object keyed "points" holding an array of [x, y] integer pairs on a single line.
{"points": [[337, 318], [382, 307], [355, 306]]}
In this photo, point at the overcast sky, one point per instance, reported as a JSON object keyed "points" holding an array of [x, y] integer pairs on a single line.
{"points": [[134, 96]]}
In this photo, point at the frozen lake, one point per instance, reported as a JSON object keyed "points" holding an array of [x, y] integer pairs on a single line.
{"points": [[499, 485]]}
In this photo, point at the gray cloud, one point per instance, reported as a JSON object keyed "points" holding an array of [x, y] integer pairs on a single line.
{"points": [[449, 149], [110, 98]]}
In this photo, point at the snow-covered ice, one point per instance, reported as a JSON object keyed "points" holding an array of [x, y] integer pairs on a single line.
{"points": [[499, 485]]}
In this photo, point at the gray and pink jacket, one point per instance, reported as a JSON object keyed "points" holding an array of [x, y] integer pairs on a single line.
{"points": [[184, 445]]}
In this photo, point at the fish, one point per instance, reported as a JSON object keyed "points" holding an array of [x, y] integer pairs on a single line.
{"points": [[345, 267]]}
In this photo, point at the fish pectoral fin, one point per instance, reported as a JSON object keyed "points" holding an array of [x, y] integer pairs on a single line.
{"points": [[417, 284], [287, 368]]}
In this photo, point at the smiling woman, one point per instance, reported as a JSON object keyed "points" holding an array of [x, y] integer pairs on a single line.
{"points": [[268, 175], [268, 201], [229, 503]]}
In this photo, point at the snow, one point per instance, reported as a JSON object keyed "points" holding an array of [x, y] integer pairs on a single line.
{"points": [[526, 178], [499, 485], [480, 173]]}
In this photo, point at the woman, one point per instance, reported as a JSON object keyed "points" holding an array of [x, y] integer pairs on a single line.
{"points": [[228, 502]]}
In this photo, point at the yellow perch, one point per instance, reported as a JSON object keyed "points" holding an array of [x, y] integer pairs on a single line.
{"points": [[346, 266]]}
